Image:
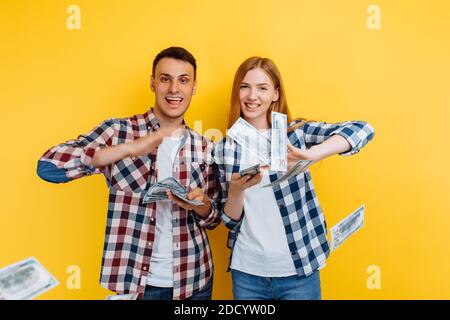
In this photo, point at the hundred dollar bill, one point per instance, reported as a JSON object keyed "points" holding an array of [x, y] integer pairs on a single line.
{"points": [[249, 137], [346, 227], [25, 280], [130, 296], [279, 142], [300, 166], [157, 192]]}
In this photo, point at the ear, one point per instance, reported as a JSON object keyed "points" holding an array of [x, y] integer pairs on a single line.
{"points": [[152, 83], [276, 95], [194, 89]]}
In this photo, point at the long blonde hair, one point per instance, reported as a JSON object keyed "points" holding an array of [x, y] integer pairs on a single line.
{"points": [[274, 74]]}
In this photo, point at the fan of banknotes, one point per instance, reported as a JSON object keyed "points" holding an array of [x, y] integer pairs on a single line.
{"points": [[157, 192], [271, 151]]}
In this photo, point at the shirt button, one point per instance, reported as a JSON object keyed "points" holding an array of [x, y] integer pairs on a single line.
{"points": [[144, 268], [149, 244], [133, 158], [152, 219]]}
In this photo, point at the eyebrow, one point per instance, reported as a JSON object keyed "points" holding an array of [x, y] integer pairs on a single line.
{"points": [[170, 76], [259, 84]]}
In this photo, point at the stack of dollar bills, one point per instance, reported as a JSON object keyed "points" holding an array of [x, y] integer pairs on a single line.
{"points": [[157, 192]]}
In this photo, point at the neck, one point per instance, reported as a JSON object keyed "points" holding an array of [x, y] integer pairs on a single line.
{"points": [[167, 122], [259, 123]]}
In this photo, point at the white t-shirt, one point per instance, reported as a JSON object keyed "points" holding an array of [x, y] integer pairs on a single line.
{"points": [[161, 261], [261, 248]]}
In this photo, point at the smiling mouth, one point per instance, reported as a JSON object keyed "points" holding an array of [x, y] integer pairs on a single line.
{"points": [[174, 100], [252, 106]]}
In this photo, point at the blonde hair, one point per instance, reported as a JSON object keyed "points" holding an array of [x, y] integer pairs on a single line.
{"points": [[269, 67]]}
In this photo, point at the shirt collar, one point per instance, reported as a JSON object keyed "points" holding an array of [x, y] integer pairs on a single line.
{"points": [[152, 122]]}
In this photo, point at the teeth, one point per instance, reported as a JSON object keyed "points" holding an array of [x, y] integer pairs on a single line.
{"points": [[252, 106], [174, 99]]}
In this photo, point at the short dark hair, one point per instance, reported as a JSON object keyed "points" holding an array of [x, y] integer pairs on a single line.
{"points": [[177, 53]]}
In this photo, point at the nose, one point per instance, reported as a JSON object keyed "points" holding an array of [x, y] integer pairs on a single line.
{"points": [[252, 94], [173, 87]]}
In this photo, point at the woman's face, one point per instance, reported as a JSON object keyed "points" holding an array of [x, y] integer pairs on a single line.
{"points": [[256, 94]]}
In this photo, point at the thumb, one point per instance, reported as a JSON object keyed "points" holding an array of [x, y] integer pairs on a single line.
{"points": [[194, 193], [291, 148]]}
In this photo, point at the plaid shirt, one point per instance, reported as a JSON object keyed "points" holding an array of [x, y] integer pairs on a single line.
{"points": [[303, 219], [130, 229]]}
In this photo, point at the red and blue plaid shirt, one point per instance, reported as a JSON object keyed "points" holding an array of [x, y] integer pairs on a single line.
{"points": [[130, 228]]}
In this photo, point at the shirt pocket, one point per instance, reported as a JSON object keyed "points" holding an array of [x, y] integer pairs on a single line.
{"points": [[198, 177], [131, 174]]}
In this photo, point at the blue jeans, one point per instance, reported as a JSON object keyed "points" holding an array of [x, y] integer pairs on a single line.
{"points": [[158, 293], [250, 287]]}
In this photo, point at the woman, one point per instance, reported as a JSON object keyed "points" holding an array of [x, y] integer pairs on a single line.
{"points": [[277, 235]]}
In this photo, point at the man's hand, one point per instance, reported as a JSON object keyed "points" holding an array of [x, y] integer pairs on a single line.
{"points": [[150, 142], [195, 194]]}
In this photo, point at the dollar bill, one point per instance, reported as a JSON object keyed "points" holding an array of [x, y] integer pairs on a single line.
{"points": [[300, 166], [346, 227], [279, 142], [130, 296], [157, 192], [251, 170], [249, 137], [25, 280]]}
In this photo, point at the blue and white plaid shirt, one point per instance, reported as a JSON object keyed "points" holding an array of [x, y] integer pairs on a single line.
{"points": [[302, 216]]}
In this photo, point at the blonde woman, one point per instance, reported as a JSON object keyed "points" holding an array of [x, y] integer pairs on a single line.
{"points": [[277, 235]]}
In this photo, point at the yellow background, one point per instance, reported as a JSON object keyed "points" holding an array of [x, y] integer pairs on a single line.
{"points": [[56, 83]]}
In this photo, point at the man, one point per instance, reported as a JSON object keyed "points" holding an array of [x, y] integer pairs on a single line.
{"points": [[158, 250]]}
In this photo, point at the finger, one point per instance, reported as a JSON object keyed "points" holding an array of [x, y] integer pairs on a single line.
{"points": [[292, 148], [254, 180], [199, 195], [257, 179], [179, 202], [235, 176]]}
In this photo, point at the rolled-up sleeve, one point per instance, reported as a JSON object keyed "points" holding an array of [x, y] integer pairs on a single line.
{"points": [[73, 159], [357, 133]]}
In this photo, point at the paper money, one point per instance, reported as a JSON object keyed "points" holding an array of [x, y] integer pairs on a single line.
{"points": [[346, 227], [249, 137], [157, 192], [130, 296], [25, 280], [251, 170], [295, 170], [279, 142]]}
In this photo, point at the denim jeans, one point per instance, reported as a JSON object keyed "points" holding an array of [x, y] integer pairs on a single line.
{"points": [[250, 287], [158, 293]]}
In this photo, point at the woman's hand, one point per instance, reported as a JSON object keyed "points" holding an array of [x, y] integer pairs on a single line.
{"points": [[296, 154], [238, 184]]}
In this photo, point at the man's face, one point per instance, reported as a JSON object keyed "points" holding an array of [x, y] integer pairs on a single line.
{"points": [[174, 85]]}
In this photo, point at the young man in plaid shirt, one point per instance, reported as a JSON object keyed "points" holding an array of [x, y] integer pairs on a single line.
{"points": [[158, 250]]}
